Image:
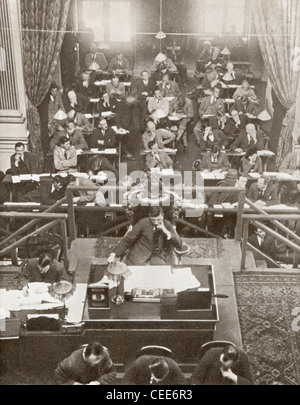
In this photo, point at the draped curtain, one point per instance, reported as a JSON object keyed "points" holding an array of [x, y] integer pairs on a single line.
{"points": [[43, 23], [278, 27]]}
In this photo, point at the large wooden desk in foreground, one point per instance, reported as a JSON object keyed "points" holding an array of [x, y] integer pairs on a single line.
{"points": [[129, 326]]}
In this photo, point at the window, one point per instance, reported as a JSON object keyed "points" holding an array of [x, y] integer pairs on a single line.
{"points": [[119, 21], [224, 16], [93, 15]]}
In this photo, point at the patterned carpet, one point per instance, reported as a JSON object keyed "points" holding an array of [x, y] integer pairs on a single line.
{"points": [[268, 306], [199, 247]]}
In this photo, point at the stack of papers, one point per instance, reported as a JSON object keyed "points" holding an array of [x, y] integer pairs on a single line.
{"points": [[25, 177]]}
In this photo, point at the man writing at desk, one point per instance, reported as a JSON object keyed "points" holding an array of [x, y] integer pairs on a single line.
{"points": [[147, 240]]}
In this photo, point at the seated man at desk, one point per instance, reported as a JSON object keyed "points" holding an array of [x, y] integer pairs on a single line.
{"points": [[85, 85], [147, 370], [115, 88], [245, 106], [263, 242], [245, 90], [55, 102], [251, 162], [162, 136], [22, 162], [228, 366], [157, 158], [249, 138], [119, 64], [158, 106], [210, 81], [264, 192], [168, 87], [103, 136], [65, 156], [80, 121], [210, 136], [43, 269], [89, 365], [48, 192], [74, 101], [232, 75], [96, 164], [95, 56], [147, 240], [233, 126], [160, 66], [182, 107], [107, 103], [213, 160], [75, 136]]}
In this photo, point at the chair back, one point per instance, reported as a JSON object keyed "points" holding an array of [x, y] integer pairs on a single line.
{"points": [[154, 350], [212, 345]]}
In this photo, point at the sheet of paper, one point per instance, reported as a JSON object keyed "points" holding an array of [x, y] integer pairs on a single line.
{"points": [[278, 207], [79, 151], [94, 100], [167, 172], [15, 179], [88, 116], [106, 113], [24, 177], [227, 205], [35, 177]]}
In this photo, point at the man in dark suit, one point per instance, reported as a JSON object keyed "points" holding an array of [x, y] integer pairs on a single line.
{"points": [[142, 90], [233, 127], [264, 192], [85, 85], [107, 103], [95, 56], [74, 101], [263, 242], [218, 366], [103, 136], [248, 138], [154, 370], [48, 192], [245, 106], [147, 240], [119, 64], [209, 136], [22, 162], [157, 159]]}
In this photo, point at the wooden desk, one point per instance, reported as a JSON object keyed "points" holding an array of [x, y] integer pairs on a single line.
{"points": [[143, 323]]}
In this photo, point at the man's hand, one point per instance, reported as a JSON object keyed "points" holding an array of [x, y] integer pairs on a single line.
{"points": [[111, 258], [230, 375], [164, 229]]}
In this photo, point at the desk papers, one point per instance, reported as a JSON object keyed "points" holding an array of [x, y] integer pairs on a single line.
{"points": [[160, 277]]}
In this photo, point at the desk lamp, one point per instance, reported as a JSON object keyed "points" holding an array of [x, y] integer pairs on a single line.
{"points": [[116, 271], [60, 115], [62, 291]]}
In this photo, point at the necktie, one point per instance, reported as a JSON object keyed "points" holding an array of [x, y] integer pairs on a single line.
{"points": [[66, 155], [145, 83]]}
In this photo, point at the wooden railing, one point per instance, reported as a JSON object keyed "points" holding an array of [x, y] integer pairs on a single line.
{"points": [[228, 190], [11, 242], [262, 215]]}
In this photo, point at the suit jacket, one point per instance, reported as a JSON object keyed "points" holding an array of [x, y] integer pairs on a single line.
{"points": [[81, 106], [171, 91], [222, 162], [55, 105], [111, 89], [139, 373], [140, 88], [63, 164], [75, 369], [289, 163], [77, 140], [208, 370], [90, 91], [32, 272], [232, 129], [208, 108], [29, 166], [109, 138], [99, 58], [114, 65], [267, 245], [249, 108], [188, 109], [219, 198], [247, 167], [105, 165], [219, 138], [43, 194], [243, 143], [164, 163], [154, 104], [141, 243], [270, 195]]}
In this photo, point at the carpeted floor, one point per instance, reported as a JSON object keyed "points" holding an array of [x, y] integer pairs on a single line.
{"points": [[200, 247], [269, 326]]}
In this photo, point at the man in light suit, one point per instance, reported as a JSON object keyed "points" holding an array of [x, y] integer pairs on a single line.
{"points": [[119, 64], [147, 240], [95, 56], [115, 88], [182, 105], [158, 107], [158, 159]]}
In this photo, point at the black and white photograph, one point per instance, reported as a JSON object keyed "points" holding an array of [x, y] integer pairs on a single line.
{"points": [[149, 195]]}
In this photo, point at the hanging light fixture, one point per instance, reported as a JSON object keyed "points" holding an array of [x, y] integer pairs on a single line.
{"points": [[160, 35]]}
